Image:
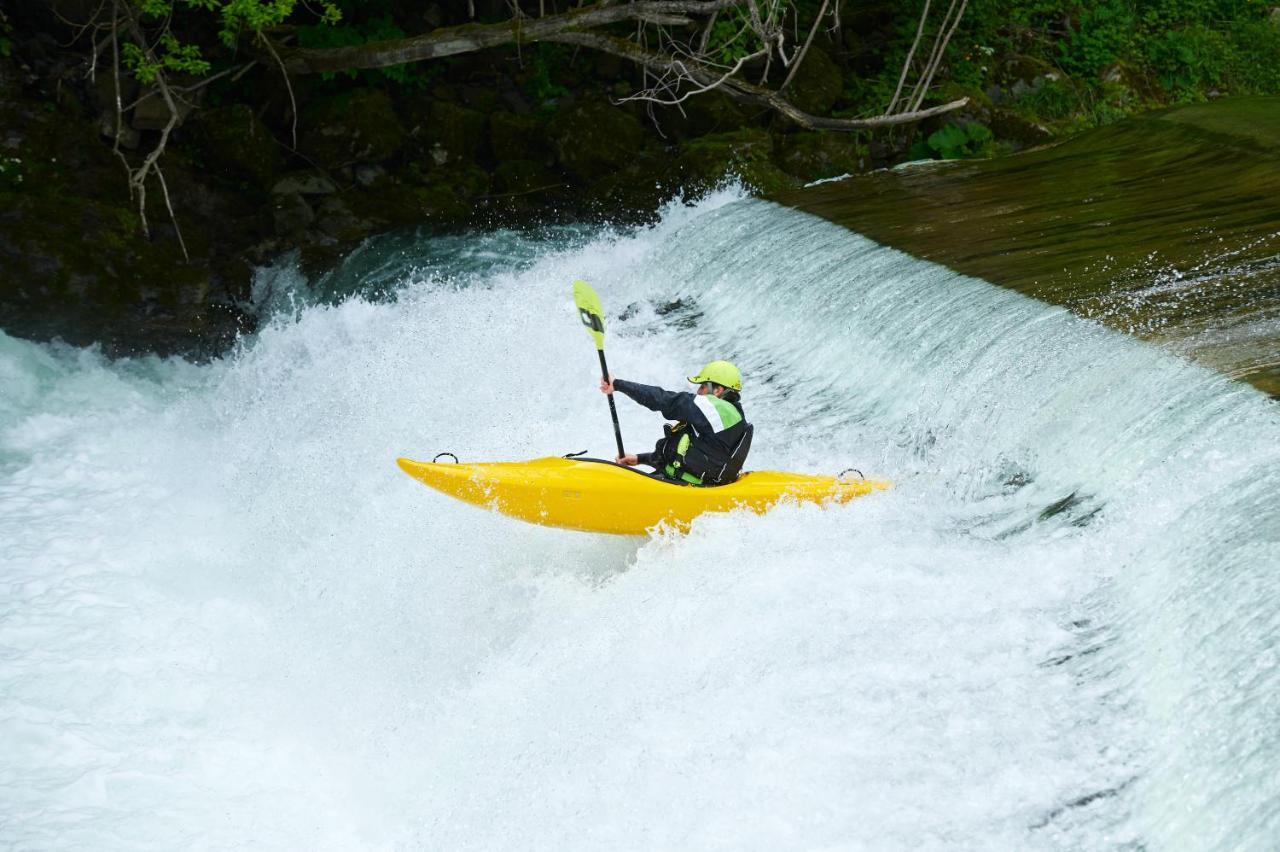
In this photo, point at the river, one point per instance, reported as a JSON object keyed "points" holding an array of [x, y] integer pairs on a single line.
{"points": [[227, 619]]}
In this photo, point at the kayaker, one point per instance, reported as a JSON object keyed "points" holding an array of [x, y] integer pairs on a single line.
{"points": [[710, 439]]}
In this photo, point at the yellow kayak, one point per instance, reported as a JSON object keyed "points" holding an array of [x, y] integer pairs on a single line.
{"points": [[593, 495]]}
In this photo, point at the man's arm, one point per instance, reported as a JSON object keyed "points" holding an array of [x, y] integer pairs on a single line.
{"points": [[673, 405]]}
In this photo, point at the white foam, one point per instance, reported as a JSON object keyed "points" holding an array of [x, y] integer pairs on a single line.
{"points": [[228, 619]]}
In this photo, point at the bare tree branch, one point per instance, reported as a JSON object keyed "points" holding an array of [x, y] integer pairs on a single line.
{"points": [[927, 79], [115, 71], [906, 63], [238, 70], [138, 176], [293, 102], [935, 56], [468, 38], [795, 63], [680, 72], [741, 91], [675, 65]]}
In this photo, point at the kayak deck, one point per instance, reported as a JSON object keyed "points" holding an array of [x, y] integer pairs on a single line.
{"points": [[594, 495]]}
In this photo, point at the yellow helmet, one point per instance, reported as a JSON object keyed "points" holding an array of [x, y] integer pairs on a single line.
{"points": [[720, 372]]}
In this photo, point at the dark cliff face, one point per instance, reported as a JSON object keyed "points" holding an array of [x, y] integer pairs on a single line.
{"points": [[77, 265]]}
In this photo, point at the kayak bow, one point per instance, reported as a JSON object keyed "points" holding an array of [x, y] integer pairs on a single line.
{"points": [[594, 495]]}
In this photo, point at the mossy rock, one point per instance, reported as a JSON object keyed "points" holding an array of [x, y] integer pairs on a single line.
{"points": [[335, 218], [352, 127], [1129, 83], [236, 142], [813, 155], [448, 196], [641, 185], [817, 84], [701, 115], [1018, 67], [595, 138], [1009, 126], [518, 177], [453, 135], [518, 137], [81, 270], [745, 154]]}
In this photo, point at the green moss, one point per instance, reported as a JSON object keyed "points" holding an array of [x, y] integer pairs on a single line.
{"points": [[817, 84], [236, 141], [746, 154], [813, 156], [359, 126], [595, 138]]}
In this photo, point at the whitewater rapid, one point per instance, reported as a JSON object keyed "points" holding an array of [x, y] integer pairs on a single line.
{"points": [[228, 620]]}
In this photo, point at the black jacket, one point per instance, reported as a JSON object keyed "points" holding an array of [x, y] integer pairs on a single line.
{"points": [[711, 445]]}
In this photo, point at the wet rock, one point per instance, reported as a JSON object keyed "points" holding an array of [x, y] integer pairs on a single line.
{"points": [[152, 112], [446, 197], [518, 137], [1020, 75], [335, 218], [1025, 68], [449, 135], [291, 215], [1130, 84], [817, 84], [594, 138], [303, 183], [237, 143], [710, 112], [520, 177], [80, 270], [129, 137], [814, 156], [351, 127], [369, 174], [639, 186], [745, 154], [1012, 127], [104, 99]]}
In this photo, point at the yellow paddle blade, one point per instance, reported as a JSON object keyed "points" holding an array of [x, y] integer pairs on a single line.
{"points": [[590, 311]]}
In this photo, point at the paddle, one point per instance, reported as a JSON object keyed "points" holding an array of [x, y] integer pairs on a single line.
{"points": [[592, 314]]}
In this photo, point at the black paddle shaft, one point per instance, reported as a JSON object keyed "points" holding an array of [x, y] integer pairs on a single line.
{"points": [[613, 409]]}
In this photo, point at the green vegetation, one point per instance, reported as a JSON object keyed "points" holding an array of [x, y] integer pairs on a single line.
{"points": [[542, 90], [235, 18], [1187, 45], [259, 165], [954, 142], [1067, 65], [362, 24]]}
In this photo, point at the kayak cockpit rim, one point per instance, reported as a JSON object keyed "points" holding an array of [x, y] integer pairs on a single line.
{"points": [[655, 476]]}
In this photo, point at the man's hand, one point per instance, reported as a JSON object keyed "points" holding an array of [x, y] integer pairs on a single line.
{"points": [[606, 386], [628, 460]]}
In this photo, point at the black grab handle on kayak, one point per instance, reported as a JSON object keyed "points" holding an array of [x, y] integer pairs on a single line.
{"points": [[575, 455], [450, 455], [841, 474]]}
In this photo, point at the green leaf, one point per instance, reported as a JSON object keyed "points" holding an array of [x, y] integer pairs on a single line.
{"points": [[948, 138], [978, 133]]}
